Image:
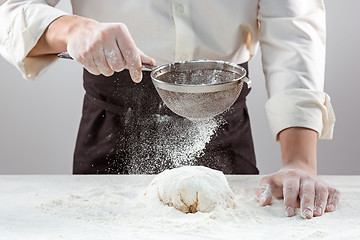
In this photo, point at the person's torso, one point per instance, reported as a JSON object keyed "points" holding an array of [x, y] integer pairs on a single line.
{"points": [[171, 31]]}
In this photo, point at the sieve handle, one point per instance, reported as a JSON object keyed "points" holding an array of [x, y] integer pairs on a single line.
{"points": [[247, 81], [66, 55]]}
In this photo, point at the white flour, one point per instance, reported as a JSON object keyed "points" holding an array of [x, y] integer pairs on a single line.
{"points": [[176, 142], [187, 142], [122, 206]]}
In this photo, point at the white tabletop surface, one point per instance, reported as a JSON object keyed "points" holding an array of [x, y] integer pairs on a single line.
{"points": [[112, 207]]}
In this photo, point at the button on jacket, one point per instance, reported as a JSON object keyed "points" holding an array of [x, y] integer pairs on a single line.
{"points": [[291, 35]]}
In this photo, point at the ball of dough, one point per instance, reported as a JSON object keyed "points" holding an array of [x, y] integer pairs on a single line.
{"points": [[192, 189]]}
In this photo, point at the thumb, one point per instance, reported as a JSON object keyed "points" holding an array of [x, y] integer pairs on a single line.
{"points": [[264, 194], [146, 59]]}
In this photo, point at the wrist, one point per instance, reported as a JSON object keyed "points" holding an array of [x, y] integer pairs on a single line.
{"points": [[298, 148], [300, 164], [57, 35]]}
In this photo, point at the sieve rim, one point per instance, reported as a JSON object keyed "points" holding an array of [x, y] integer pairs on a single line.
{"points": [[195, 88]]}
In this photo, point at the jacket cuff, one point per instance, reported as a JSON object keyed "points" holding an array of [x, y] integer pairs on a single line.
{"points": [[27, 27], [301, 108]]}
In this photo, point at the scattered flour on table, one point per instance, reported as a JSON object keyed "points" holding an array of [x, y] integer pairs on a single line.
{"points": [[123, 206]]}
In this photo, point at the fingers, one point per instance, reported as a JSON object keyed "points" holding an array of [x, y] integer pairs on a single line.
{"points": [[264, 192], [91, 67], [114, 58], [101, 62], [106, 48], [307, 196], [84, 58], [264, 195], [315, 196], [321, 196], [290, 193], [333, 200], [146, 59], [133, 63], [130, 53]]}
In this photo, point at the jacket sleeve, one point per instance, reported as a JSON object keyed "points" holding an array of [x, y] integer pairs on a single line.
{"points": [[292, 41], [21, 25]]}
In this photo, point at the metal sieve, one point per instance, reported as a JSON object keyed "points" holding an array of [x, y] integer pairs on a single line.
{"points": [[199, 89]]}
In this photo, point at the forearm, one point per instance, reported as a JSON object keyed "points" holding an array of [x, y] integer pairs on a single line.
{"points": [[298, 148], [55, 38]]}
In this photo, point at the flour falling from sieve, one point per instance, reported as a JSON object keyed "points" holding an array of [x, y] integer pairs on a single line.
{"points": [[151, 138], [191, 141], [175, 142]]}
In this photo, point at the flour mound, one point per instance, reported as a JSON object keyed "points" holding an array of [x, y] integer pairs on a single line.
{"points": [[191, 189]]}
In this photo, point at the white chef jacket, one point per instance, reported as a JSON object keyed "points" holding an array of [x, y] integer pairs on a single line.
{"points": [[291, 34]]}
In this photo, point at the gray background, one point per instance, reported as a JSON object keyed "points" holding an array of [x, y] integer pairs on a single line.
{"points": [[39, 120]]}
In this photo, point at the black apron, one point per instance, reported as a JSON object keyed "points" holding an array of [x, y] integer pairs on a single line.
{"points": [[127, 129]]}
